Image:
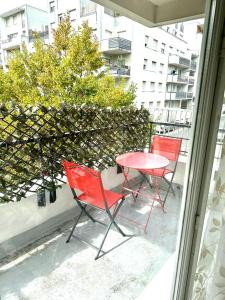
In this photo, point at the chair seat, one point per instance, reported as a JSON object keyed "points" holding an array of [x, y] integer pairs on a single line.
{"points": [[111, 198], [157, 172]]}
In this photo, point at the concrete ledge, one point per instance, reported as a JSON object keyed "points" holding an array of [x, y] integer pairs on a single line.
{"points": [[18, 242]]}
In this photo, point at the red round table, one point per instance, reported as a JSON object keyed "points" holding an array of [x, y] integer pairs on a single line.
{"points": [[142, 161]]}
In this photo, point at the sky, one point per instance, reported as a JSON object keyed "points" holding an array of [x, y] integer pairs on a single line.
{"points": [[10, 4]]}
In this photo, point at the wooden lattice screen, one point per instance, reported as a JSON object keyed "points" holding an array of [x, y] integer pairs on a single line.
{"points": [[34, 141]]}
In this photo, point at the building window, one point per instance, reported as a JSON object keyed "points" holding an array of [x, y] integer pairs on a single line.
{"points": [[181, 27], [72, 14], [145, 65], [154, 44], [163, 47], [176, 25], [111, 12], [23, 19], [108, 34], [121, 33], [15, 19], [171, 50], [158, 103], [142, 104], [143, 86], [52, 6], [87, 8], [150, 104], [52, 25], [160, 86], [60, 18], [153, 66], [161, 67], [152, 86], [146, 40]]}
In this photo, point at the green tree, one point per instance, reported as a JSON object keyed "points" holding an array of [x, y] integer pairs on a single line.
{"points": [[71, 69]]}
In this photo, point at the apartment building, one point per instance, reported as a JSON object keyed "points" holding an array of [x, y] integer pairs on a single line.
{"points": [[17, 27], [157, 60]]}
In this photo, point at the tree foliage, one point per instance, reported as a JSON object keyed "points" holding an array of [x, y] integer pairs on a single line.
{"points": [[71, 69]]}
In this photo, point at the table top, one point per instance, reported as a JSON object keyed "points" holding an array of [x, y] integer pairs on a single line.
{"points": [[142, 161]]}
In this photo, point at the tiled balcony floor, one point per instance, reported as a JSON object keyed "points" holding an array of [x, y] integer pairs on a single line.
{"points": [[56, 270]]}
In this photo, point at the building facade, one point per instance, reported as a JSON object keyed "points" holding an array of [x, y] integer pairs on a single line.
{"points": [[156, 60], [17, 26]]}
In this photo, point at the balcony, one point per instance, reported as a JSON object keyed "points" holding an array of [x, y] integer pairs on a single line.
{"points": [[193, 66], [116, 71], [189, 95], [44, 35], [116, 45], [13, 42], [176, 95], [52, 268], [179, 61], [177, 79], [191, 81]]}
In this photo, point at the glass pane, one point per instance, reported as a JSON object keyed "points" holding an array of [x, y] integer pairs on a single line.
{"points": [[210, 274]]}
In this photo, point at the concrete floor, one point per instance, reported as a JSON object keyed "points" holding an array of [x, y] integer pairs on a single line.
{"points": [[51, 269]]}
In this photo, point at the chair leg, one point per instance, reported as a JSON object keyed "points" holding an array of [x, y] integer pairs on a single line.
{"points": [[74, 226], [103, 240], [113, 216]]}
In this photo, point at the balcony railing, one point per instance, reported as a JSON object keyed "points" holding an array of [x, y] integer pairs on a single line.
{"points": [[177, 78], [42, 35], [180, 61], [38, 146], [176, 95], [193, 65], [191, 80], [189, 95], [120, 71], [116, 45]]}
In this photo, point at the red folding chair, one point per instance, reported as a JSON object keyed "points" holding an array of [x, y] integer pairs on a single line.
{"points": [[168, 147], [89, 183]]}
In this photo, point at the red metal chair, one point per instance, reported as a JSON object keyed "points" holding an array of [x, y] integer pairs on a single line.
{"points": [[168, 147], [89, 183]]}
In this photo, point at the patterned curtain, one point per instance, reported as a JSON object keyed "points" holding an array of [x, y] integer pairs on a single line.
{"points": [[210, 275]]}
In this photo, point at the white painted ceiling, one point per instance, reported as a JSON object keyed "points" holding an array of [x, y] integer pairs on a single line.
{"points": [[157, 12]]}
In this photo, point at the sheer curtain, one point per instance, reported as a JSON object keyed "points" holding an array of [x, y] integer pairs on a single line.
{"points": [[210, 275]]}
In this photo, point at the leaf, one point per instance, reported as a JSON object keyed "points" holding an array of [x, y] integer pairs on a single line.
{"points": [[213, 229], [218, 184], [222, 271], [220, 285], [216, 222]]}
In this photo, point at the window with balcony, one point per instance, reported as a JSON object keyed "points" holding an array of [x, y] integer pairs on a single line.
{"points": [[145, 65], [52, 25], [163, 47], [160, 87], [87, 8], [154, 44], [144, 86], [146, 41], [60, 18], [181, 27], [152, 86], [161, 68], [153, 68], [14, 19], [72, 14], [52, 6], [23, 19], [111, 12]]}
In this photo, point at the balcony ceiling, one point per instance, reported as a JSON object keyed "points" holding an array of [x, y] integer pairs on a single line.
{"points": [[157, 12]]}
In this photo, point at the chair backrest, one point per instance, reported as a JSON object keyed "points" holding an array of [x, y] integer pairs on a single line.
{"points": [[85, 180], [166, 146]]}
